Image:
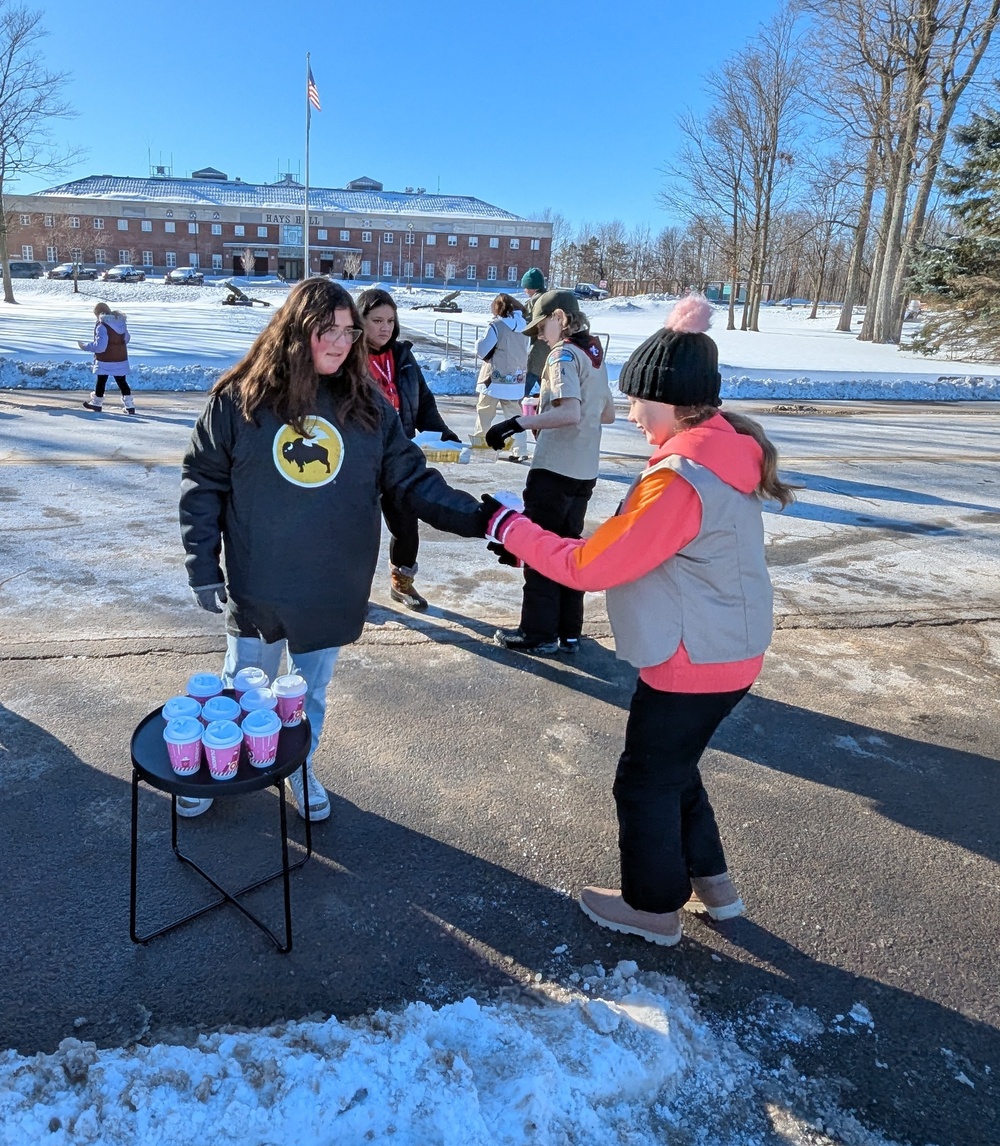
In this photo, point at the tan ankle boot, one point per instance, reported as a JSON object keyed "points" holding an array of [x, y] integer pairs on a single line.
{"points": [[606, 907], [715, 895], [401, 588]]}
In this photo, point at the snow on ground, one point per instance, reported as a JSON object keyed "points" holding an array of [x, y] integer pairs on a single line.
{"points": [[619, 1057], [183, 337]]}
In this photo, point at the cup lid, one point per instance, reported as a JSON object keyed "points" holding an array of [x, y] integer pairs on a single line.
{"points": [[257, 698], [220, 708], [183, 730], [181, 706], [222, 734], [261, 722], [251, 678], [288, 685], [204, 684]]}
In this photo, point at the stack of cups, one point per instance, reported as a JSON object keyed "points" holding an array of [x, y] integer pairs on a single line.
{"points": [[261, 728], [183, 736], [220, 707], [222, 740], [203, 686], [258, 699], [181, 706], [249, 678], [291, 693]]}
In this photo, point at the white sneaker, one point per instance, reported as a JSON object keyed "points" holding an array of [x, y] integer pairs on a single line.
{"points": [[319, 801], [190, 806]]}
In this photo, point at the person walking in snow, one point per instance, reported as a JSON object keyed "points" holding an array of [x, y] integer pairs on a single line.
{"points": [[109, 347], [573, 404], [504, 351], [533, 285], [280, 488], [690, 605], [395, 371]]}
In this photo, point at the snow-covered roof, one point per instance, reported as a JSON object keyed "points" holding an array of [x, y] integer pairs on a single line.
{"points": [[275, 196]]}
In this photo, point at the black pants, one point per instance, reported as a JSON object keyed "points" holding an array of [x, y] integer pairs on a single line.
{"points": [[666, 827], [102, 381], [404, 534], [559, 504]]}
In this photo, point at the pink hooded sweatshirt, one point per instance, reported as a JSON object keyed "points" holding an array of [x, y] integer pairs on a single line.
{"points": [[660, 515]]}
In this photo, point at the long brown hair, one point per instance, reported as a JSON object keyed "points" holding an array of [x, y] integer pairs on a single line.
{"points": [[771, 487], [504, 305], [277, 371], [372, 297]]}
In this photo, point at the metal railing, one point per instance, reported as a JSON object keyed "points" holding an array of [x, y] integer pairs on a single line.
{"points": [[463, 343]]}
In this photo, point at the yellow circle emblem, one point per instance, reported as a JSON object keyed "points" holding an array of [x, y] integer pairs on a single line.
{"points": [[310, 459]]}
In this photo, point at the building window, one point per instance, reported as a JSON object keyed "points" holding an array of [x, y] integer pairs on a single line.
{"points": [[291, 236], [321, 233], [98, 224], [217, 262], [453, 240], [408, 270], [192, 228], [387, 236], [76, 254], [216, 228], [473, 240], [449, 271], [366, 267], [366, 236], [169, 227], [74, 221], [536, 244], [52, 254], [512, 274], [193, 259], [146, 225], [27, 252], [50, 220], [515, 244], [147, 258], [100, 256], [491, 274], [25, 220], [171, 258], [262, 232], [471, 272], [345, 236], [428, 270], [123, 224], [408, 238], [387, 268], [239, 230], [494, 243], [124, 256], [432, 242]]}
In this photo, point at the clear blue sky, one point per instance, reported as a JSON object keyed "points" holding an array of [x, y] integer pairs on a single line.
{"points": [[570, 106]]}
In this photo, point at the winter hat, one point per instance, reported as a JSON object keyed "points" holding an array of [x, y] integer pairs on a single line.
{"points": [[679, 365], [533, 279], [547, 304]]}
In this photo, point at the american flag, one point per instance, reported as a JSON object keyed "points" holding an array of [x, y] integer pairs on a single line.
{"points": [[312, 94]]}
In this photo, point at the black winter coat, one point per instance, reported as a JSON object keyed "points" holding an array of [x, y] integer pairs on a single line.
{"points": [[417, 408], [296, 520]]}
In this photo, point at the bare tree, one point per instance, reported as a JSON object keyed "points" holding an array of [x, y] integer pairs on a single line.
{"points": [[30, 99], [352, 265], [247, 258]]}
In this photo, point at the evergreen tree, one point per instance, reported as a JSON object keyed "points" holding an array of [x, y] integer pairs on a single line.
{"points": [[958, 279]]}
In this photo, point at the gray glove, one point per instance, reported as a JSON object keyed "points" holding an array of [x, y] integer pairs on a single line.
{"points": [[206, 596]]}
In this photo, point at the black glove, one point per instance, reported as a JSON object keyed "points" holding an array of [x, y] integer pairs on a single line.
{"points": [[449, 436], [498, 434], [206, 597], [504, 556]]}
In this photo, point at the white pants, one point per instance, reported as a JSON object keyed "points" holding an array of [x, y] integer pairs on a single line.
{"points": [[486, 410]]}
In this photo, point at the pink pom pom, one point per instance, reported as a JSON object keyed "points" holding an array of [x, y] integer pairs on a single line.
{"points": [[691, 315]]}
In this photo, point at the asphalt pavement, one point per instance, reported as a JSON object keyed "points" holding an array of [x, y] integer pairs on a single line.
{"points": [[856, 786]]}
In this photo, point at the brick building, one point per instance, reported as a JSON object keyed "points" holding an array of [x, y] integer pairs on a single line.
{"points": [[217, 223]]}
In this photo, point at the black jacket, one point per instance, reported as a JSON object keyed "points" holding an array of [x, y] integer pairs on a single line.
{"points": [[417, 408], [296, 521]]}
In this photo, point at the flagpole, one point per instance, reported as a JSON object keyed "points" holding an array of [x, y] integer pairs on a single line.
{"points": [[305, 271]]}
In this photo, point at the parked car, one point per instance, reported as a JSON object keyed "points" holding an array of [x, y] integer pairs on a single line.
{"points": [[65, 271], [22, 270], [588, 290], [185, 276], [124, 273]]}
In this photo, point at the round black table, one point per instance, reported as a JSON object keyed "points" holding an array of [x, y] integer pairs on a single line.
{"points": [[151, 764]]}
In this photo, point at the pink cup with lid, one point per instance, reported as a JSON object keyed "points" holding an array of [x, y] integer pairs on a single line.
{"points": [[249, 678], [222, 740], [258, 699], [529, 406], [220, 707], [183, 737], [291, 693], [261, 729], [181, 706], [203, 686]]}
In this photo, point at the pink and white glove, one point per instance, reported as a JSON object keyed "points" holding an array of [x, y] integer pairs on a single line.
{"points": [[502, 510]]}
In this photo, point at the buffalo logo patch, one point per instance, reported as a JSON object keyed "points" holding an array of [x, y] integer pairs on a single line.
{"points": [[311, 459]]}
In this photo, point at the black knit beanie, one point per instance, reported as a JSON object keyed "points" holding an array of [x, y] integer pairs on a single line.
{"points": [[679, 364]]}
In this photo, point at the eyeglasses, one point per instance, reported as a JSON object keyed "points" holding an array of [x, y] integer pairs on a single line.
{"points": [[341, 334]]}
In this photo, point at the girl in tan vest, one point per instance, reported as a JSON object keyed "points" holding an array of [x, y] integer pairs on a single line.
{"points": [[110, 350], [504, 350]]}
